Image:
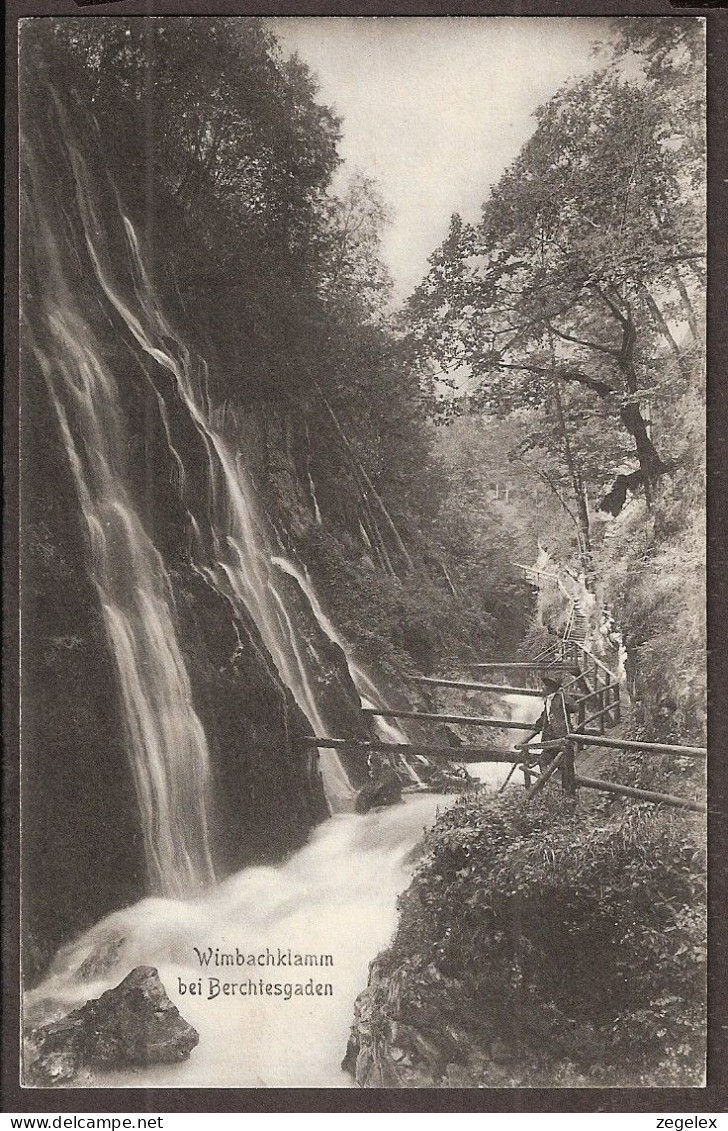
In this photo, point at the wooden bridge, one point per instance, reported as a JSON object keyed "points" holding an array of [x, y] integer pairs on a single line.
{"points": [[588, 685]]}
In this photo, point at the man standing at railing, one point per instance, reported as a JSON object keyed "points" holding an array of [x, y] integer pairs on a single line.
{"points": [[552, 727]]}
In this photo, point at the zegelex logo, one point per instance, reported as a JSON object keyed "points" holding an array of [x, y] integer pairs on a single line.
{"points": [[682, 1123]]}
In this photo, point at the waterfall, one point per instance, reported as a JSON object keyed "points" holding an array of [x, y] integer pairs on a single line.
{"points": [[168, 750], [314, 500], [369, 693], [239, 567], [228, 540]]}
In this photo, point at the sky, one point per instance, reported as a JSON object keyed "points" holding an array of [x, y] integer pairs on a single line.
{"points": [[436, 108]]}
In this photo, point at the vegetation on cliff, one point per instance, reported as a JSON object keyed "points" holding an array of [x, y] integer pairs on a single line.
{"points": [[580, 291], [547, 943], [543, 945]]}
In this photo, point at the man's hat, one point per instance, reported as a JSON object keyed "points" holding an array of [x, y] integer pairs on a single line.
{"points": [[551, 680]]}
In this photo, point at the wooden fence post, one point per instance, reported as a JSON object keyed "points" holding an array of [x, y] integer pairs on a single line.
{"points": [[541, 780], [614, 700]]}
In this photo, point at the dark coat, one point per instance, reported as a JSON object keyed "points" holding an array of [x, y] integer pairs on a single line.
{"points": [[553, 721], [553, 725]]}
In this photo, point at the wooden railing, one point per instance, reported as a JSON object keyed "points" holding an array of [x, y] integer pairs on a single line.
{"points": [[588, 685], [594, 688], [600, 702]]}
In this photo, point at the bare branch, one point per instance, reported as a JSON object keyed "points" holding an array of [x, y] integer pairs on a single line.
{"points": [[551, 486], [621, 318], [609, 350], [565, 373]]}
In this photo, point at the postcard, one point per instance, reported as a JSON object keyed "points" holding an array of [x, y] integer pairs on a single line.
{"points": [[362, 551]]}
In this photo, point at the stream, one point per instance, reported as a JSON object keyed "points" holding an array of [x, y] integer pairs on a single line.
{"points": [[335, 897]]}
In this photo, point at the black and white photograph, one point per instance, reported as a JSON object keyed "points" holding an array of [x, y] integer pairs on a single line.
{"points": [[362, 390]]}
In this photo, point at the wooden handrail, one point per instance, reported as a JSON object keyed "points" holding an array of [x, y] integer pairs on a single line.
{"points": [[533, 571], [463, 754], [543, 777], [594, 659], [598, 714], [467, 685], [530, 665], [641, 794], [436, 717], [585, 739], [593, 694]]}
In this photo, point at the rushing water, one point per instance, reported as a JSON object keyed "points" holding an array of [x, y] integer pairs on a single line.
{"points": [[337, 897], [369, 693], [240, 564], [521, 708]]}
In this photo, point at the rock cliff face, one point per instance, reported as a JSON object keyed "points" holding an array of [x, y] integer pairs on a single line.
{"points": [[87, 306], [408, 1032]]}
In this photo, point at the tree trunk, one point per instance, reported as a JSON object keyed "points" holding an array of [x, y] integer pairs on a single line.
{"points": [[686, 303], [664, 330], [577, 483], [651, 465], [403, 551]]}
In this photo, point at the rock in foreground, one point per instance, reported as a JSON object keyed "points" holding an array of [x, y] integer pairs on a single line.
{"points": [[406, 1034], [134, 1023]]}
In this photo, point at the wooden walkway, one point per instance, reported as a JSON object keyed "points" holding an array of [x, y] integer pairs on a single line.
{"points": [[589, 687]]}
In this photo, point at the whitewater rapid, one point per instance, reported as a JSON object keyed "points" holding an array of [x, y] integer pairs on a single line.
{"points": [[521, 708], [336, 896]]}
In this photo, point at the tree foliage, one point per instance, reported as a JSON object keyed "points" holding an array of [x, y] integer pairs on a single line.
{"points": [[228, 122], [585, 258]]}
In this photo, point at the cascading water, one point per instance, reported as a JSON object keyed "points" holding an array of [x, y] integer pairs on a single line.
{"points": [[336, 897], [167, 745], [237, 563], [338, 894], [240, 563], [520, 709], [368, 691]]}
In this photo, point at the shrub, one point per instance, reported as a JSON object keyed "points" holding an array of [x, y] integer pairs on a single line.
{"points": [[575, 938]]}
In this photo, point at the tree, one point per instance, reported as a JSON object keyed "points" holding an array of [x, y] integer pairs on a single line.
{"points": [[355, 281], [229, 123], [568, 280]]}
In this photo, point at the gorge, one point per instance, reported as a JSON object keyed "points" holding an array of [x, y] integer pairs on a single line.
{"points": [[240, 525]]}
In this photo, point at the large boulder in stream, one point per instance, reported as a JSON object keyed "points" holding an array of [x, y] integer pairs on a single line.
{"points": [[135, 1023], [385, 788]]}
